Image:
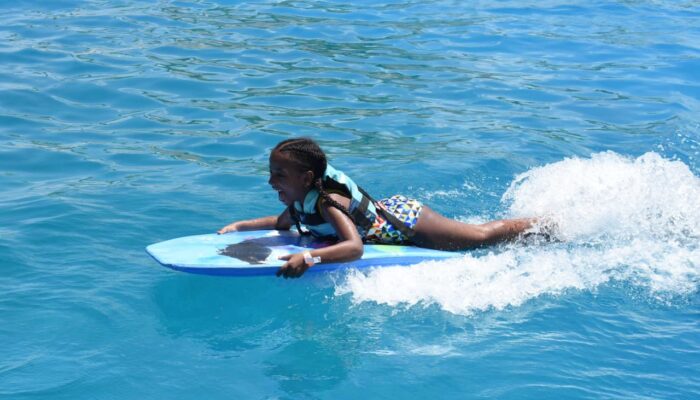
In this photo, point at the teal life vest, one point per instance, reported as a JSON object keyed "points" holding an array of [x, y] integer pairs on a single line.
{"points": [[361, 208]]}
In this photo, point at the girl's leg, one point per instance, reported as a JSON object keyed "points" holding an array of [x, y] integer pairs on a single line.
{"points": [[437, 232]]}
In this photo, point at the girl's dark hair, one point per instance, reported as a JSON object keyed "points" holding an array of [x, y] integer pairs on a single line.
{"points": [[308, 156]]}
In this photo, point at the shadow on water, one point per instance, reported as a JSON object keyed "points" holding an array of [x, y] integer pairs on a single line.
{"points": [[303, 338], [283, 330]]}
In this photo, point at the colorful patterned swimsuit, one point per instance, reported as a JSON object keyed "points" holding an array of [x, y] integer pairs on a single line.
{"points": [[405, 209]]}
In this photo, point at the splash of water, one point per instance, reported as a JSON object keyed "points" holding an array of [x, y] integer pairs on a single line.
{"points": [[619, 218], [611, 197]]}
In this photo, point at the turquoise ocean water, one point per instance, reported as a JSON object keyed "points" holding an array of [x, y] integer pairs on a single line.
{"points": [[124, 123]]}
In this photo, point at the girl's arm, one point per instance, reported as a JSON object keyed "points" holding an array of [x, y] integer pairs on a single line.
{"points": [[348, 248], [282, 222]]}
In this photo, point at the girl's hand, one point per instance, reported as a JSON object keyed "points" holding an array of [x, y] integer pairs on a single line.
{"points": [[294, 267], [232, 227]]}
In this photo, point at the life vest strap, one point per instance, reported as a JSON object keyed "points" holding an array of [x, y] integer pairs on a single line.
{"points": [[360, 214], [389, 216], [295, 218]]}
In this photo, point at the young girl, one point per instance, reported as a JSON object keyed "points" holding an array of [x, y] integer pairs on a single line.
{"points": [[330, 205]]}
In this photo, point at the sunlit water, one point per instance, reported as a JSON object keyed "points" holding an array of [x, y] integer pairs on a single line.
{"points": [[123, 123]]}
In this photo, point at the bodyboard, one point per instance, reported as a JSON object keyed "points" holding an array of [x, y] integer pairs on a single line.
{"points": [[256, 253]]}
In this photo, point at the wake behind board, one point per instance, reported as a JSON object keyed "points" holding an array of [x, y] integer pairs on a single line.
{"points": [[256, 252]]}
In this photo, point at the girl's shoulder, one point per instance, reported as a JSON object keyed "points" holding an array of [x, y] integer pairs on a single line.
{"points": [[335, 195]]}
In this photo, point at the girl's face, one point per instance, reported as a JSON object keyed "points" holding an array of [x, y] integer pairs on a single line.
{"points": [[285, 177]]}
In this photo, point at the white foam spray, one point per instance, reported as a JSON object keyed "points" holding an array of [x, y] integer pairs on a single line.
{"points": [[619, 218]]}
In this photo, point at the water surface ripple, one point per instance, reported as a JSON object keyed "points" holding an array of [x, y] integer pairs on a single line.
{"points": [[127, 122]]}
